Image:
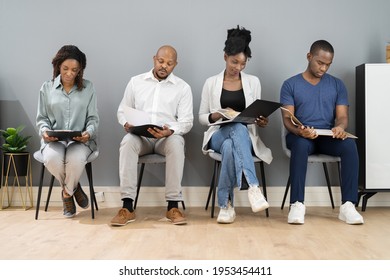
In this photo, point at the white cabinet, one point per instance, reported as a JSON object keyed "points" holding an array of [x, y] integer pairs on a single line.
{"points": [[372, 128]]}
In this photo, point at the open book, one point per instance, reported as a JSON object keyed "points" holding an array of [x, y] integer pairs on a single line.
{"points": [[320, 132], [258, 108], [140, 121], [63, 135]]}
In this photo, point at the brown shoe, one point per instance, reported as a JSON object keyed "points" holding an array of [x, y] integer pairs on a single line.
{"points": [[176, 217], [123, 217]]}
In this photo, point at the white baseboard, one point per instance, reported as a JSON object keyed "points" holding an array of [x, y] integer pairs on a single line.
{"points": [[197, 196]]}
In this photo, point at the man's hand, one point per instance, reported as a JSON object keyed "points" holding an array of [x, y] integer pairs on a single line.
{"points": [[339, 133], [127, 127], [160, 133], [307, 132]]}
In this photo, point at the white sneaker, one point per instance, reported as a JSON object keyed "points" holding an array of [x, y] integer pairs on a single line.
{"points": [[349, 214], [226, 215], [257, 199], [297, 213]]}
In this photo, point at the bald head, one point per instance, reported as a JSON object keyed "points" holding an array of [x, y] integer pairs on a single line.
{"points": [[167, 50], [165, 61]]}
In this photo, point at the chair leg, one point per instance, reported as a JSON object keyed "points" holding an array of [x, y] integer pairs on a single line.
{"points": [[49, 192], [212, 191], [215, 183], [211, 186], [88, 169], [328, 183], [286, 192], [339, 170], [264, 184], [39, 191], [141, 173]]}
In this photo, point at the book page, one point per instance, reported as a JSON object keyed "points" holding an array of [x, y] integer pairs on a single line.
{"points": [[329, 132], [228, 113], [136, 117]]}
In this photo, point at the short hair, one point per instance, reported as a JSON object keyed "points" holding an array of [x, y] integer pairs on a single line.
{"points": [[321, 45], [70, 52], [237, 41]]}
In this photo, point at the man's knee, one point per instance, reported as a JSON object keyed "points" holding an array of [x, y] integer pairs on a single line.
{"points": [[128, 142], [175, 143]]}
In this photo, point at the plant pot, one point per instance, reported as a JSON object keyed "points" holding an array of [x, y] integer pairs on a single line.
{"points": [[16, 164]]}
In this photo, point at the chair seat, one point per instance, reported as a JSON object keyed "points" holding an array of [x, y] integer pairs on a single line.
{"points": [[316, 158]]}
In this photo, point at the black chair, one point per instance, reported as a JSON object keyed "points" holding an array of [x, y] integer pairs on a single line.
{"points": [[88, 169], [142, 160], [214, 181]]}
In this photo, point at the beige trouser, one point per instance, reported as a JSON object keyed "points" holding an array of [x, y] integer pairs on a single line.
{"points": [[66, 163], [133, 146]]}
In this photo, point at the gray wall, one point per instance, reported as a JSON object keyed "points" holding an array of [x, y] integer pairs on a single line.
{"points": [[120, 38]]}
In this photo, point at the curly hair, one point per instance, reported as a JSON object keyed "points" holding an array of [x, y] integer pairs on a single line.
{"points": [[70, 52], [237, 41]]}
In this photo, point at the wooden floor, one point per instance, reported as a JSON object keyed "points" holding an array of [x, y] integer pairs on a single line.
{"points": [[251, 236]]}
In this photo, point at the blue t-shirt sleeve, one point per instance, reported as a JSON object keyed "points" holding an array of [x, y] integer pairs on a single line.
{"points": [[286, 93], [342, 94]]}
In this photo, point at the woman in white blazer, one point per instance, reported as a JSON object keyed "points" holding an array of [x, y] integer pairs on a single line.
{"points": [[235, 90]]}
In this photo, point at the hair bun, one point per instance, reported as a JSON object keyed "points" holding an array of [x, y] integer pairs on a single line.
{"points": [[237, 41], [240, 32]]}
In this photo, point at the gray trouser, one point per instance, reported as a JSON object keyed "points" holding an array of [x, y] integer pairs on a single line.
{"points": [[66, 162], [133, 146]]}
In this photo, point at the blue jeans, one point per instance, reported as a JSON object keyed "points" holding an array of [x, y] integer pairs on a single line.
{"points": [[232, 141], [301, 148]]}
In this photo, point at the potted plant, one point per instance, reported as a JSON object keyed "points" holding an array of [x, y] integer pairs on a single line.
{"points": [[16, 158]]}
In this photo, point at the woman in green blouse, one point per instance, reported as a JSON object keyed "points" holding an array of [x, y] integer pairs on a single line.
{"points": [[68, 102]]}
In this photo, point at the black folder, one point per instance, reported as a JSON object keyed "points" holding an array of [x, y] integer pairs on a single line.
{"points": [[142, 130], [259, 107]]}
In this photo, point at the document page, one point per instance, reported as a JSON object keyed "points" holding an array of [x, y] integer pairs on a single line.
{"points": [[136, 117]]}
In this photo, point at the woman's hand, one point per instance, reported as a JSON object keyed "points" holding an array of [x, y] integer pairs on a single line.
{"points": [[47, 138], [261, 121], [215, 116], [83, 138]]}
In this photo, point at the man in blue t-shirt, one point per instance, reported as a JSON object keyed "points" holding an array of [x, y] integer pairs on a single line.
{"points": [[319, 100]]}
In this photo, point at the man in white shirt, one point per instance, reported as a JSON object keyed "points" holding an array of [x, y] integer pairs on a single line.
{"points": [[168, 101]]}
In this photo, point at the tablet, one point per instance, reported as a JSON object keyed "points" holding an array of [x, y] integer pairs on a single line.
{"points": [[64, 135]]}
